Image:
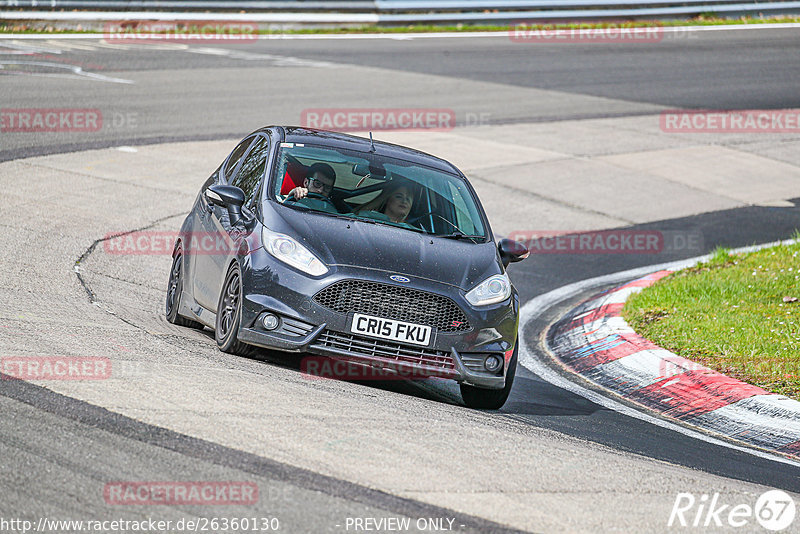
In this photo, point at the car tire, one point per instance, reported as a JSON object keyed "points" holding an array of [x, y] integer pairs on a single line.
{"points": [[175, 291], [229, 315], [491, 399]]}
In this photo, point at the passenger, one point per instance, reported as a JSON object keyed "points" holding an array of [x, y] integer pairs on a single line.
{"points": [[394, 203]]}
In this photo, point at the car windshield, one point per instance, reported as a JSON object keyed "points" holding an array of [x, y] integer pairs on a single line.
{"points": [[376, 189]]}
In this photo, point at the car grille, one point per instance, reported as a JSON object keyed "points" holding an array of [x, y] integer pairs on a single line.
{"points": [[394, 302], [365, 346]]}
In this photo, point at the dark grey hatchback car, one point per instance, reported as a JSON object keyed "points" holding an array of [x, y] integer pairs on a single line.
{"points": [[366, 252]]}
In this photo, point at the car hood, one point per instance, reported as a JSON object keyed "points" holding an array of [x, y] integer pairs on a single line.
{"points": [[346, 242]]}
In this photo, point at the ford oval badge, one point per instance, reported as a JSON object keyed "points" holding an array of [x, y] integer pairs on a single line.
{"points": [[398, 278]]}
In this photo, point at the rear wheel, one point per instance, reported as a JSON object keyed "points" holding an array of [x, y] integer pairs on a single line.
{"points": [[174, 292], [491, 399], [229, 315]]}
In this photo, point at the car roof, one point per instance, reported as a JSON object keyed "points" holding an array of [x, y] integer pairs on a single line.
{"points": [[296, 134]]}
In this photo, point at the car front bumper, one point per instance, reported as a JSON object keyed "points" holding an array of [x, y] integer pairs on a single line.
{"points": [[308, 327]]}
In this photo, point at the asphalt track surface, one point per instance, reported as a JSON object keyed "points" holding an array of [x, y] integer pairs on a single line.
{"points": [[56, 448], [189, 98]]}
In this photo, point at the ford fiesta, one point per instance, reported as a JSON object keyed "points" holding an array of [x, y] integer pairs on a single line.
{"points": [[323, 243]]}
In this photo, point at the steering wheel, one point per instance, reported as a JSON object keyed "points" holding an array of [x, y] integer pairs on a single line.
{"points": [[309, 195], [320, 196], [330, 205]]}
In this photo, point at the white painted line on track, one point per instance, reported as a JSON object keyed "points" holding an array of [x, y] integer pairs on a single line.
{"points": [[408, 36], [537, 305], [278, 61], [73, 71]]}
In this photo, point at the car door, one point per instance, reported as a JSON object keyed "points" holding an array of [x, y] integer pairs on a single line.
{"points": [[209, 250]]}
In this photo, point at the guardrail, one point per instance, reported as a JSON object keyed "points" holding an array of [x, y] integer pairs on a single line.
{"points": [[381, 11]]}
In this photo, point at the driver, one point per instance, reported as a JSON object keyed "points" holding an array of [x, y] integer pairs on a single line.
{"points": [[319, 179], [316, 189]]}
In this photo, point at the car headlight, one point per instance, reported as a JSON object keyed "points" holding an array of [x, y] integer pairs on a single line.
{"points": [[289, 251], [494, 289]]}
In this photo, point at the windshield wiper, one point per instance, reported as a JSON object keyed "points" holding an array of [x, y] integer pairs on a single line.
{"points": [[459, 235], [346, 216]]}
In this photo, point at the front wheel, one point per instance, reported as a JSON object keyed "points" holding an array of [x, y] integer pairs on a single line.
{"points": [[491, 399], [229, 315]]}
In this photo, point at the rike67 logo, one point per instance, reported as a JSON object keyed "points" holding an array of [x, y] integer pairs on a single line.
{"points": [[774, 510]]}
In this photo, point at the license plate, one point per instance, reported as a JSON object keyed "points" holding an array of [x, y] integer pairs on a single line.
{"points": [[390, 329]]}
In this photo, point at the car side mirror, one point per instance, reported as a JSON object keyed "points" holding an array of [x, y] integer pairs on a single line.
{"points": [[227, 196], [511, 251]]}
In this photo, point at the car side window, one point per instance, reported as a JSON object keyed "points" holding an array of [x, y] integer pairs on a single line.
{"points": [[252, 170], [234, 158]]}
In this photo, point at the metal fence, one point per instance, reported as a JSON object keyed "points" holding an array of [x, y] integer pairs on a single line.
{"points": [[382, 11]]}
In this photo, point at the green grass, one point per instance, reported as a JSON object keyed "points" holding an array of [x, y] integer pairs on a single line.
{"points": [[703, 20], [729, 314]]}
